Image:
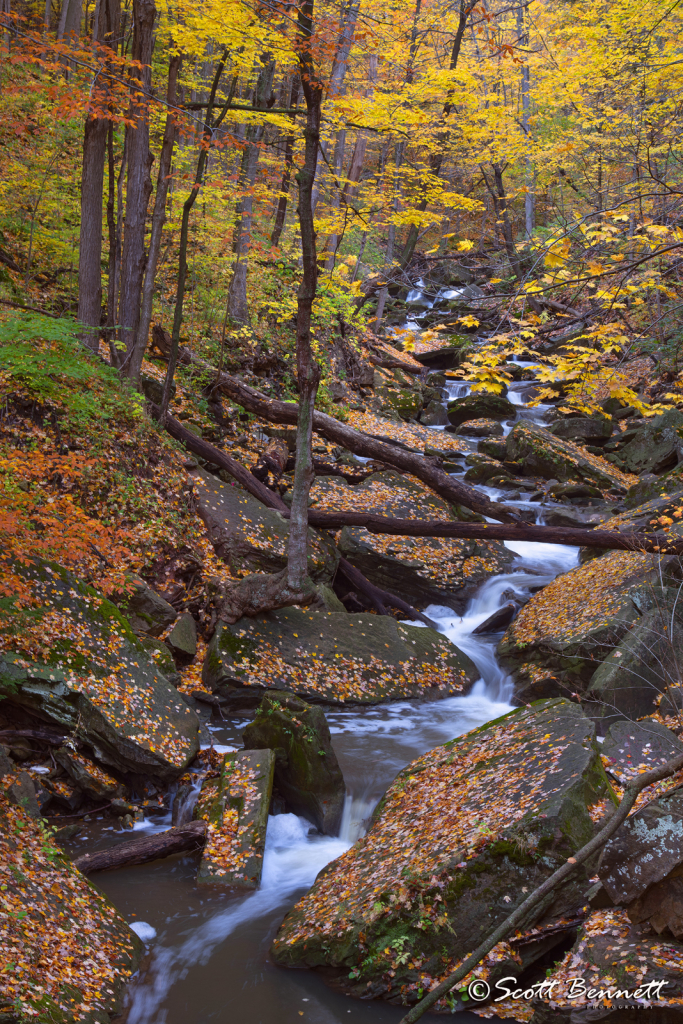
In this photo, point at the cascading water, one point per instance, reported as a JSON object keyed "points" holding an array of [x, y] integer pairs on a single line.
{"points": [[209, 957]]}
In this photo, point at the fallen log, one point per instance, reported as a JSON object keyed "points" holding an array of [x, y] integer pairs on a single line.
{"points": [[139, 851], [453, 491], [660, 543], [40, 735]]}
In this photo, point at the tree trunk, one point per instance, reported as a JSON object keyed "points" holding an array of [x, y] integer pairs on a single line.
{"points": [[92, 181], [139, 182], [158, 218], [281, 212], [436, 158], [140, 851], [238, 307], [308, 371], [207, 138]]}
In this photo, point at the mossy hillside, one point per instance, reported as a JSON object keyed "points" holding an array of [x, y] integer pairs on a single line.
{"points": [[333, 657], [70, 657], [460, 836]]}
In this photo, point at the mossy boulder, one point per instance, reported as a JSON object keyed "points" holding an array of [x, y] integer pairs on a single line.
{"points": [[591, 429], [182, 639], [307, 773], [480, 405], [657, 445], [537, 452], [422, 570], [251, 538], [481, 428], [71, 954], [235, 805], [462, 834], [333, 657], [72, 659], [407, 402], [564, 633], [146, 611]]}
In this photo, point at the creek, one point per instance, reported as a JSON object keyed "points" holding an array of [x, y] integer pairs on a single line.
{"points": [[208, 956]]}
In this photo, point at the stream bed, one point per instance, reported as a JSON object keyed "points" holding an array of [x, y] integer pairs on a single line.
{"points": [[208, 952]]}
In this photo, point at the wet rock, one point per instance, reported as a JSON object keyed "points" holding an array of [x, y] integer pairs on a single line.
{"points": [[631, 678], [657, 446], [97, 680], [64, 792], [307, 773], [146, 611], [481, 428], [434, 414], [422, 570], [542, 454], [459, 838], [93, 780], [628, 745], [54, 918], [235, 805], [591, 429], [481, 405], [333, 658], [494, 447], [6, 764], [567, 517], [482, 469], [252, 538], [558, 640], [183, 638], [407, 402], [499, 621], [661, 906]]}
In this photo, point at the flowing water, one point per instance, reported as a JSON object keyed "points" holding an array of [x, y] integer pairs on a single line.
{"points": [[208, 953]]}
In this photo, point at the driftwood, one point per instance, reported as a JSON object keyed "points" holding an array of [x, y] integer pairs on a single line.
{"points": [[139, 851], [425, 469], [390, 364], [660, 543]]}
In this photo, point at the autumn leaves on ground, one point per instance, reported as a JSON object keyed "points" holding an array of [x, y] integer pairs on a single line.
{"points": [[453, 230]]}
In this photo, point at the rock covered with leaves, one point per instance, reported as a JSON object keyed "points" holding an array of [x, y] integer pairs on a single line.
{"points": [[460, 837], [537, 452], [66, 952], [333, 657], [70, 658], [307, 773]]}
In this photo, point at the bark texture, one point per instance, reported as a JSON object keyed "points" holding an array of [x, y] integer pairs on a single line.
{"points": [[140, 851]]}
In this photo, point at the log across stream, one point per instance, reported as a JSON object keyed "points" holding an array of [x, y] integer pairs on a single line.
{"points": [[209, 957]]}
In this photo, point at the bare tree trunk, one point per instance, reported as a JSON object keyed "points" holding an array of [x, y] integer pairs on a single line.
{"points": [[158, 218], [139, 182], [308, 371], [281, 212], [529, 204], [436, 158], [337, 75], [381, 302], [207, 137], [238, 308], [92, 180]]}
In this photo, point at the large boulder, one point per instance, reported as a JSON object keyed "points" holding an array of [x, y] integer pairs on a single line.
{"points": [[333, 657], [422, 570], [481, 428], [146, 611], [307, 773], [657, 446], [593, 429], [235, 804], [252, 538], [460, 837], [537, 452], [561, 636], [481, 405], [67, 953], [73, 660]]}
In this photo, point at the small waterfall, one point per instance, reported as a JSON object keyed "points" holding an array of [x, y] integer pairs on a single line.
{"points": [[356, 815]]}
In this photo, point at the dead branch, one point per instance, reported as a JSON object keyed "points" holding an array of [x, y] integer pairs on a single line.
{"points": [[139, 851]]}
